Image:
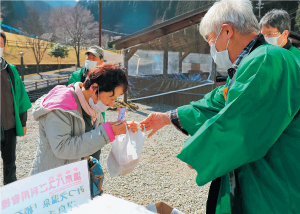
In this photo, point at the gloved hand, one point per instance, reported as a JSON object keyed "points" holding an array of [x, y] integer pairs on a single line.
{"points": [[154, 122]]}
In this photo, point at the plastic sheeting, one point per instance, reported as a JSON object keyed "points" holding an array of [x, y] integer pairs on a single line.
{"points": [[177, 62]]}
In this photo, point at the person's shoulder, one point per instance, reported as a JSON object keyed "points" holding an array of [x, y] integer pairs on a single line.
{"points": [[295, 51], [272, 52], [78, 71], [11, 65]]}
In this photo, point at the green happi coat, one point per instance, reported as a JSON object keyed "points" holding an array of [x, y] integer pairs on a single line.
{"points": [[295, 51], [21, 99], [257, 134]]}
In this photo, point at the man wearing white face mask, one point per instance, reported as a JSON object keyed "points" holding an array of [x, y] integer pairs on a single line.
{"points": [[14, 106], [94, 57], [275, 26]]}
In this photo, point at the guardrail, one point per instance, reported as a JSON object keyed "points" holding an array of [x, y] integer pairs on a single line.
{"points": [[31, 85], [37, 88]]}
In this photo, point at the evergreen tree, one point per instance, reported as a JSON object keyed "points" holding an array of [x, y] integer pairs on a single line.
{"points": [[8, 12]]}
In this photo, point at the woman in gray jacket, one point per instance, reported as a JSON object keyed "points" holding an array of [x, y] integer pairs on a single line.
{"points": [[70, 121]]}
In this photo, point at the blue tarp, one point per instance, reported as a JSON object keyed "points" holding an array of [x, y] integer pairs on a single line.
{"points": [[11, 28]]}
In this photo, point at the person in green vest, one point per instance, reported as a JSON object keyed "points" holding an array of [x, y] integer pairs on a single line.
{"points": [[276, 26], [14, 105], [94, 57], [247, 131]]}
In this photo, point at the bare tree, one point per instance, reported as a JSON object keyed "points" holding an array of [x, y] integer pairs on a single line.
{"points": [[75, 25], [33, 27]]}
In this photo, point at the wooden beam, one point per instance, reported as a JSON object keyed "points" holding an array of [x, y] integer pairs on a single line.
{"points": [[180, 62], [164, 28], [130, 53], [127, 54], [185, 54]]}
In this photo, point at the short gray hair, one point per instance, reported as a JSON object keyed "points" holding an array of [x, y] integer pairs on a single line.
{"points": [[236, 13], [279, 19]]}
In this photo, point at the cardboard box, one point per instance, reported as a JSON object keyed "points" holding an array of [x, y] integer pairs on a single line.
{"points": [[163, 208]]}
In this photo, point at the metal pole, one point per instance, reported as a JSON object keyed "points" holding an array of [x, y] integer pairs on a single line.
{"points": [[22, 68], [100, 21], [125, 60], [259, 5]]}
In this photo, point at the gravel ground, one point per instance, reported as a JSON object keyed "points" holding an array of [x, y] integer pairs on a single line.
{"points": [[160, 176]]}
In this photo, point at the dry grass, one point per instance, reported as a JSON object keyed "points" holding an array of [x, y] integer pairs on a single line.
{"points": [[12, 53]]}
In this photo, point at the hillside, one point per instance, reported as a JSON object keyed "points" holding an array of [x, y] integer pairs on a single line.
{"points": [[132, 16], [12, 53]]}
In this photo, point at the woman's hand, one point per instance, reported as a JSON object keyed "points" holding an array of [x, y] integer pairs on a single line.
{"points": [[154, 122], [118, 129], [133, 126]]}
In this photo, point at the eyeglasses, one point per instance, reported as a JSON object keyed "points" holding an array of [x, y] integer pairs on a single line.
{"points": [[109, 98], [270, 34]]}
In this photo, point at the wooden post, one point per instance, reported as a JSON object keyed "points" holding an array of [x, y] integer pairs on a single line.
{"points": [[35, 85], [125, 60], [182, 57], [126, 56], [180, 62], [166, 59]]}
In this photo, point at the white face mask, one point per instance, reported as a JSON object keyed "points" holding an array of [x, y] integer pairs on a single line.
{"points": [[273, 40], [89, 65], [221, 58], [1, 52], [99, 107]]}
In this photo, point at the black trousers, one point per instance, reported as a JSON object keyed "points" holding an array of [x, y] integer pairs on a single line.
{"points": [[213, 194], [8, 154]]}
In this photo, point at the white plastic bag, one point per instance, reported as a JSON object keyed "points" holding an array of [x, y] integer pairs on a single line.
{"points": [[125, 153]]}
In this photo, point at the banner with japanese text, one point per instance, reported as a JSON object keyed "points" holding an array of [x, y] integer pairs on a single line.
{"points": [[51, 192]]}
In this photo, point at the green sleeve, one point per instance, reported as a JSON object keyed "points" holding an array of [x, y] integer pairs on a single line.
{"points": [[194, 115], [103, 115], [24, 101], [260, 105], [72, 79], [76, 76], [21, 95]]}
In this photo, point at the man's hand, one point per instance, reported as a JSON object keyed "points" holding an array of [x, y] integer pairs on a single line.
{"points": [[154, 122], [133, 126], [118, 129], [25, 131]]}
